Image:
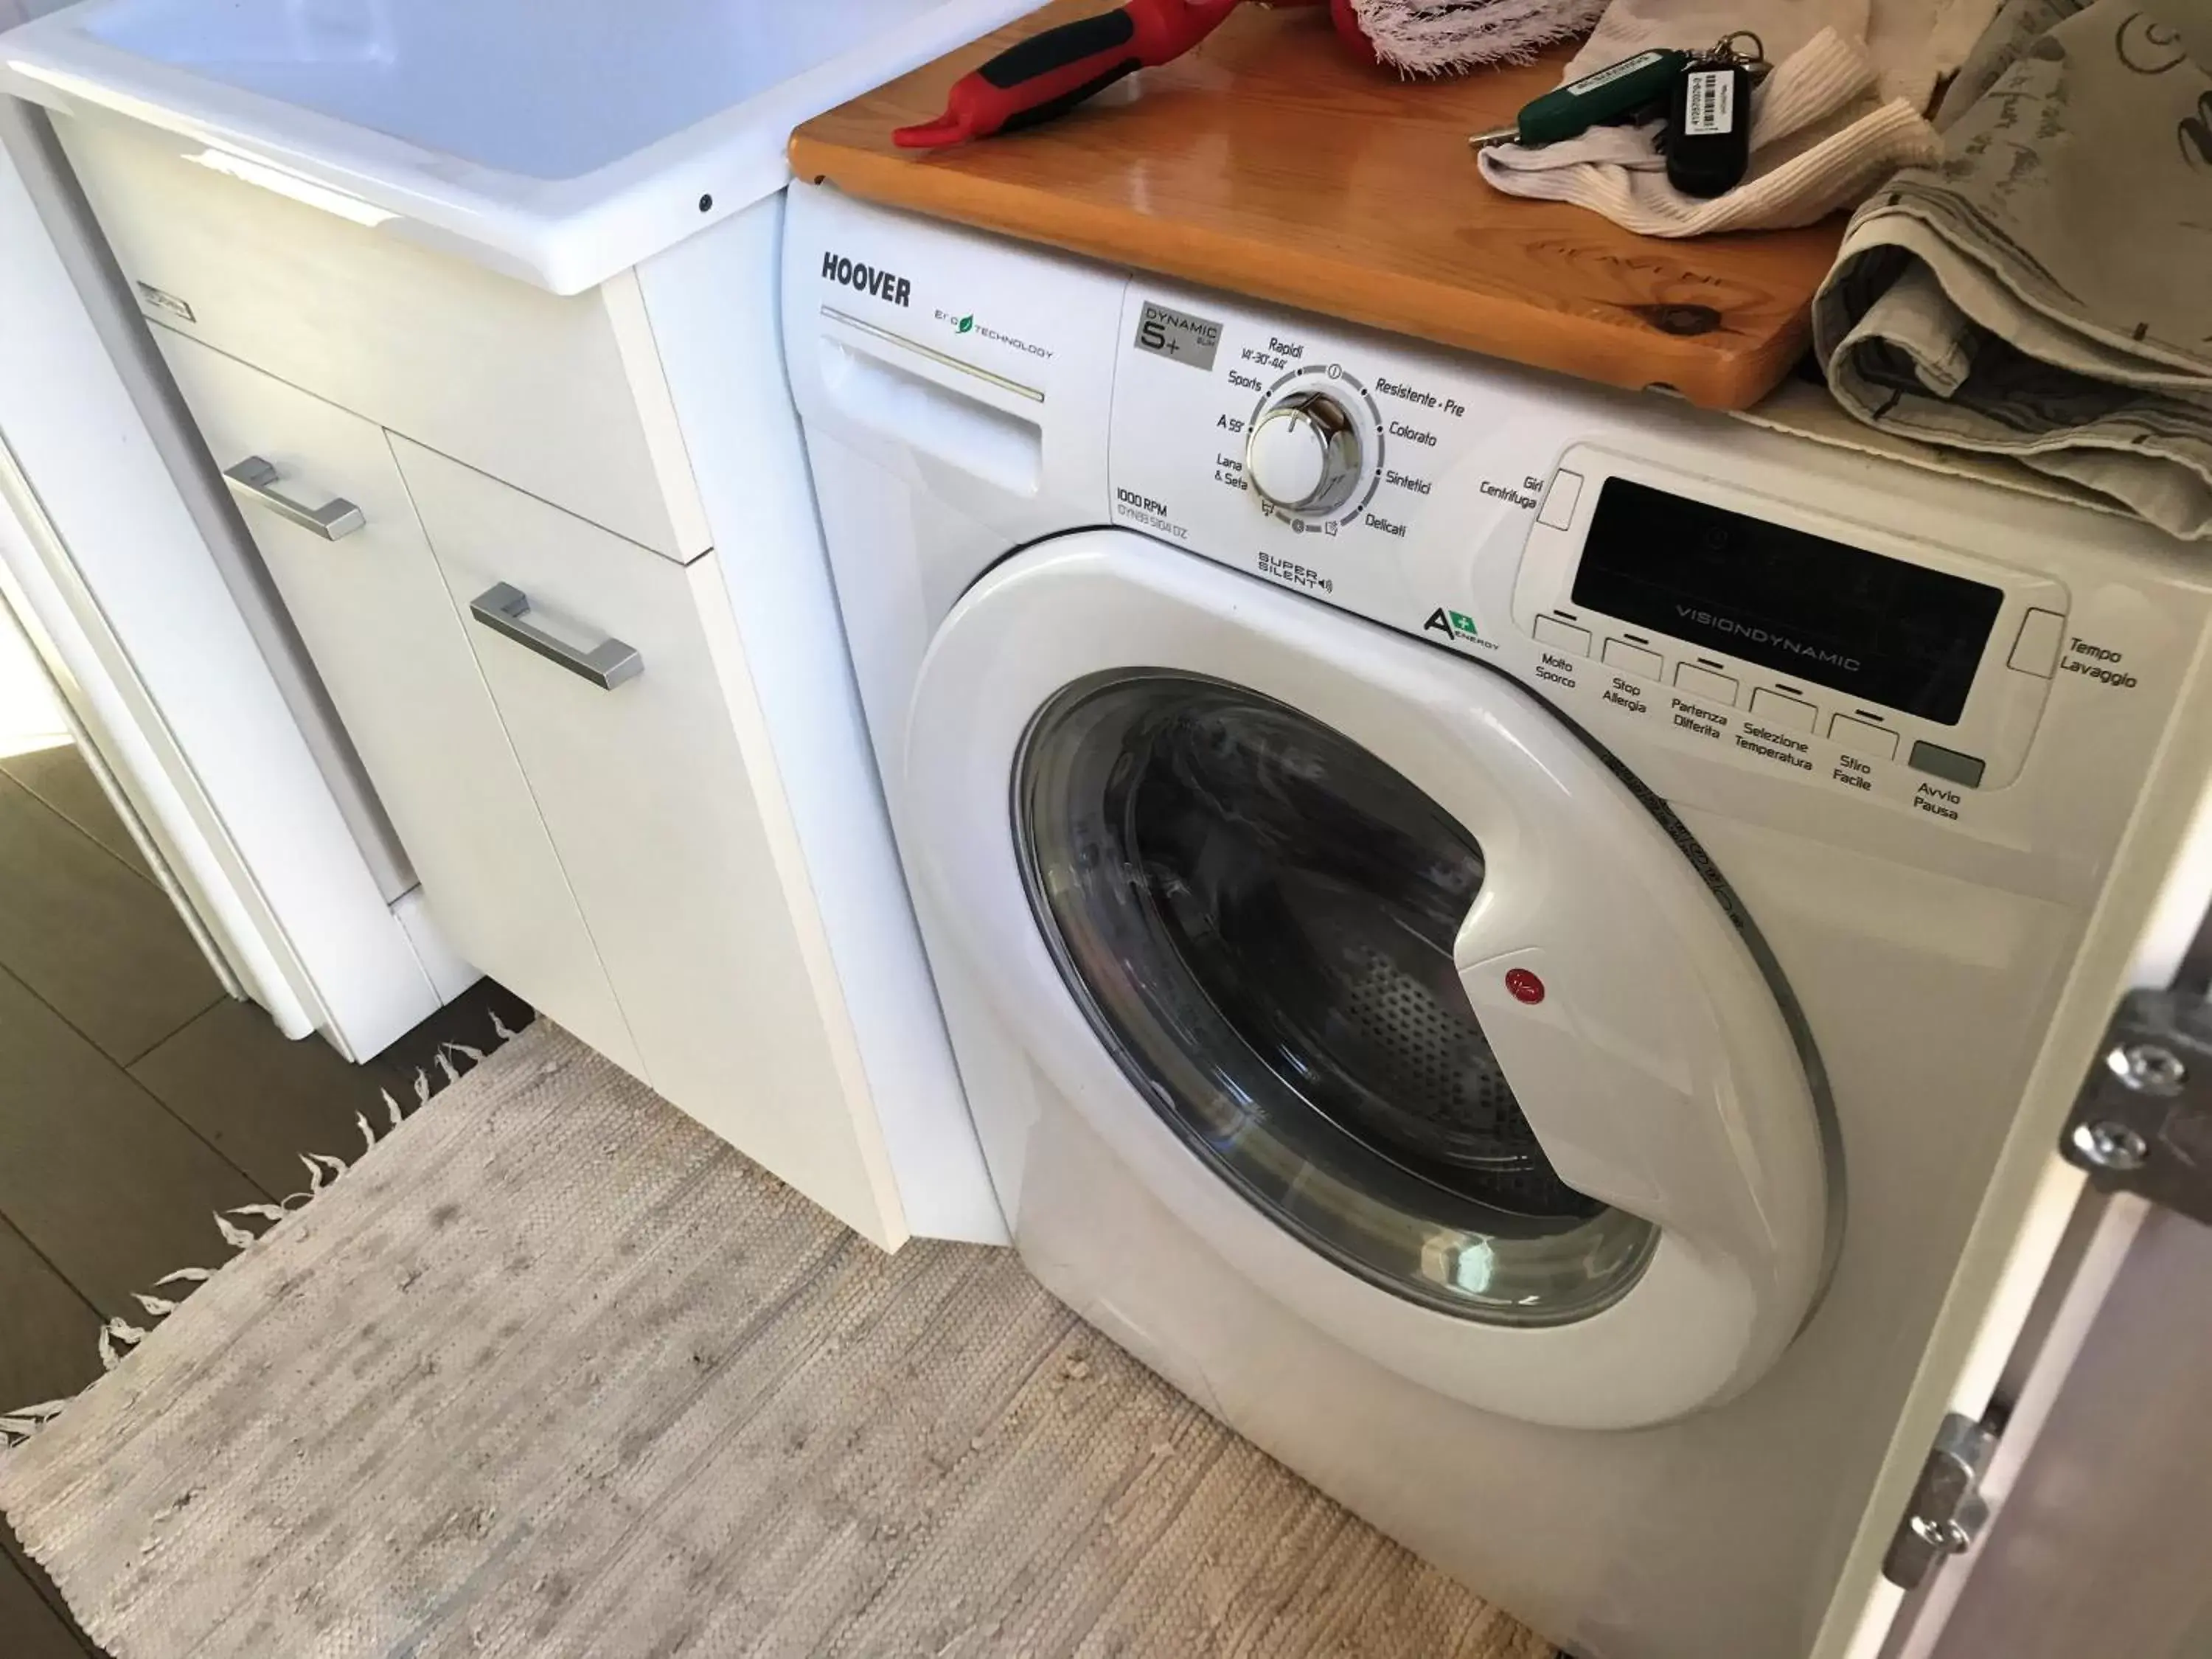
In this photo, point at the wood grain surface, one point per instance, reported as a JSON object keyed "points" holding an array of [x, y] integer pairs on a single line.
{"points": [[1269, 163]]}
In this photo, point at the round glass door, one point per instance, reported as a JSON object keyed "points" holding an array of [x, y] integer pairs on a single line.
{"points": [[1257, 915]]}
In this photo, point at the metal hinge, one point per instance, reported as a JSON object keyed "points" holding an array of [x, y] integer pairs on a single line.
{"points": [[1947, 1512], [2143, 1122]]}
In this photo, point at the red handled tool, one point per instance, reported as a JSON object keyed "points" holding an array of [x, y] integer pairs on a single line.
{"points": [[1048, 74]]}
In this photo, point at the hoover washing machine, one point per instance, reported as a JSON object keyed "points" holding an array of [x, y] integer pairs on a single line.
{"points": [[1495, 932]]}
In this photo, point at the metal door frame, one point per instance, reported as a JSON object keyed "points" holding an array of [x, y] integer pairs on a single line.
{"points": [[2098, 1489]]}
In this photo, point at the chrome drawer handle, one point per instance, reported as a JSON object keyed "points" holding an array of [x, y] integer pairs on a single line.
{"points": [[255, 480], [502, 608]]}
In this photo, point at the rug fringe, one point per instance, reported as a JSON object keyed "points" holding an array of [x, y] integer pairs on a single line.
{"points": [[19, 1425], [119, 1336]]}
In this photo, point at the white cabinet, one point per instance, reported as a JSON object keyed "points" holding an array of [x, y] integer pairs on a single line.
{"points": [[648, 795], [373, 612], [628, 856], [550, 715]]}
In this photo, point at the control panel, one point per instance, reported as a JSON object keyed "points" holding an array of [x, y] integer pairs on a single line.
{"points": [[1780, 628], [1788, 610]]}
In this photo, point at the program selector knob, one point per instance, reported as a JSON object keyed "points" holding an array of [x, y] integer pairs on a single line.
{"points": [[1303, 455]]}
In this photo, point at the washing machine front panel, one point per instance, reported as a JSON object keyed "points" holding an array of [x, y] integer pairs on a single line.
{"points": [[1196, 837], [1930, 929]]}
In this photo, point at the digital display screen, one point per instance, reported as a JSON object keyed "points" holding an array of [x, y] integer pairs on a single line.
{"points": [[1878, 628]]}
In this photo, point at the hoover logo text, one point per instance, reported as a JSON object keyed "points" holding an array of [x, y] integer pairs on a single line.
{"points": [[869, 279]]}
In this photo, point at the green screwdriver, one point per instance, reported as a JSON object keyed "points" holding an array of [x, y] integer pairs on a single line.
{"points": [[1610, 93]]}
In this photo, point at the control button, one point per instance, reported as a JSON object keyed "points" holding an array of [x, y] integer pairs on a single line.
{"points": [[1864, 736], [1559, 509], [1704, 682], [2036, 650], [1634, 659], [1798, 716], [1550, 630], [1303, 454], [1948, 763]]}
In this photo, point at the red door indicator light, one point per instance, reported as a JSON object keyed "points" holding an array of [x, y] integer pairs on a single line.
{"points": [[1524, 985]]}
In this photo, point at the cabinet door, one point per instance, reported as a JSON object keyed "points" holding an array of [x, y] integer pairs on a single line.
{"points": [[377, 622], [618, 676]]}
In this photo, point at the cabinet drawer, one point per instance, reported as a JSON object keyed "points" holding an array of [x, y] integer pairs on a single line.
{"points": [[381, 629], [682, 855], [562, 395]]}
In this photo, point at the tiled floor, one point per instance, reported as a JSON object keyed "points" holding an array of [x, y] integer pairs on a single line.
{"points": [[136, 1099]]}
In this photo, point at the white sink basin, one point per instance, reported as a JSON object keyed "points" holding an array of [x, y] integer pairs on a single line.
{"points": [[551, 90], [558, 140]]}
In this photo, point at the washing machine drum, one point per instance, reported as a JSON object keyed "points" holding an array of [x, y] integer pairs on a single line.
{"points": [[1376, 976], [1259, 916]]}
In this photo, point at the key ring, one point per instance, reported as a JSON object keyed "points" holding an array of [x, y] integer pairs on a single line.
{"points": [[1726, 47]]}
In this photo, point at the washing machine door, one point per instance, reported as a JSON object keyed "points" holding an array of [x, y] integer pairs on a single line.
{"points": [[1377, 976]]}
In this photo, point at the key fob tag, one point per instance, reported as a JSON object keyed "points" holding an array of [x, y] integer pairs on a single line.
{"points": [[1708, 141]]}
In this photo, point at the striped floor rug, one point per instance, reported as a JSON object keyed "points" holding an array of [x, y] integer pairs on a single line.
{"points": [[553, 1372]]}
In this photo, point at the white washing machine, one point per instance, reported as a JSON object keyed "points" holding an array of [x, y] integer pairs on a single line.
{"points": [[1495, 932]]}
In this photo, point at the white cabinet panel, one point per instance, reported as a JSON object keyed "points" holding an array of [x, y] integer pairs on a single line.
{"points": [[563, 397], [681, 852], [382, 631]]}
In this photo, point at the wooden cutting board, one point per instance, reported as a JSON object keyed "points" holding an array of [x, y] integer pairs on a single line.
{"points": [[1270, 163]]}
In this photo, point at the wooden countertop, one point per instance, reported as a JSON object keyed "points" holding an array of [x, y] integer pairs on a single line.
{"points": [[1269, 163]]}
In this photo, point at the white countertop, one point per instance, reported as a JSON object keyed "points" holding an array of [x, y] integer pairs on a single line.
{"points": [[557, 141]]}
